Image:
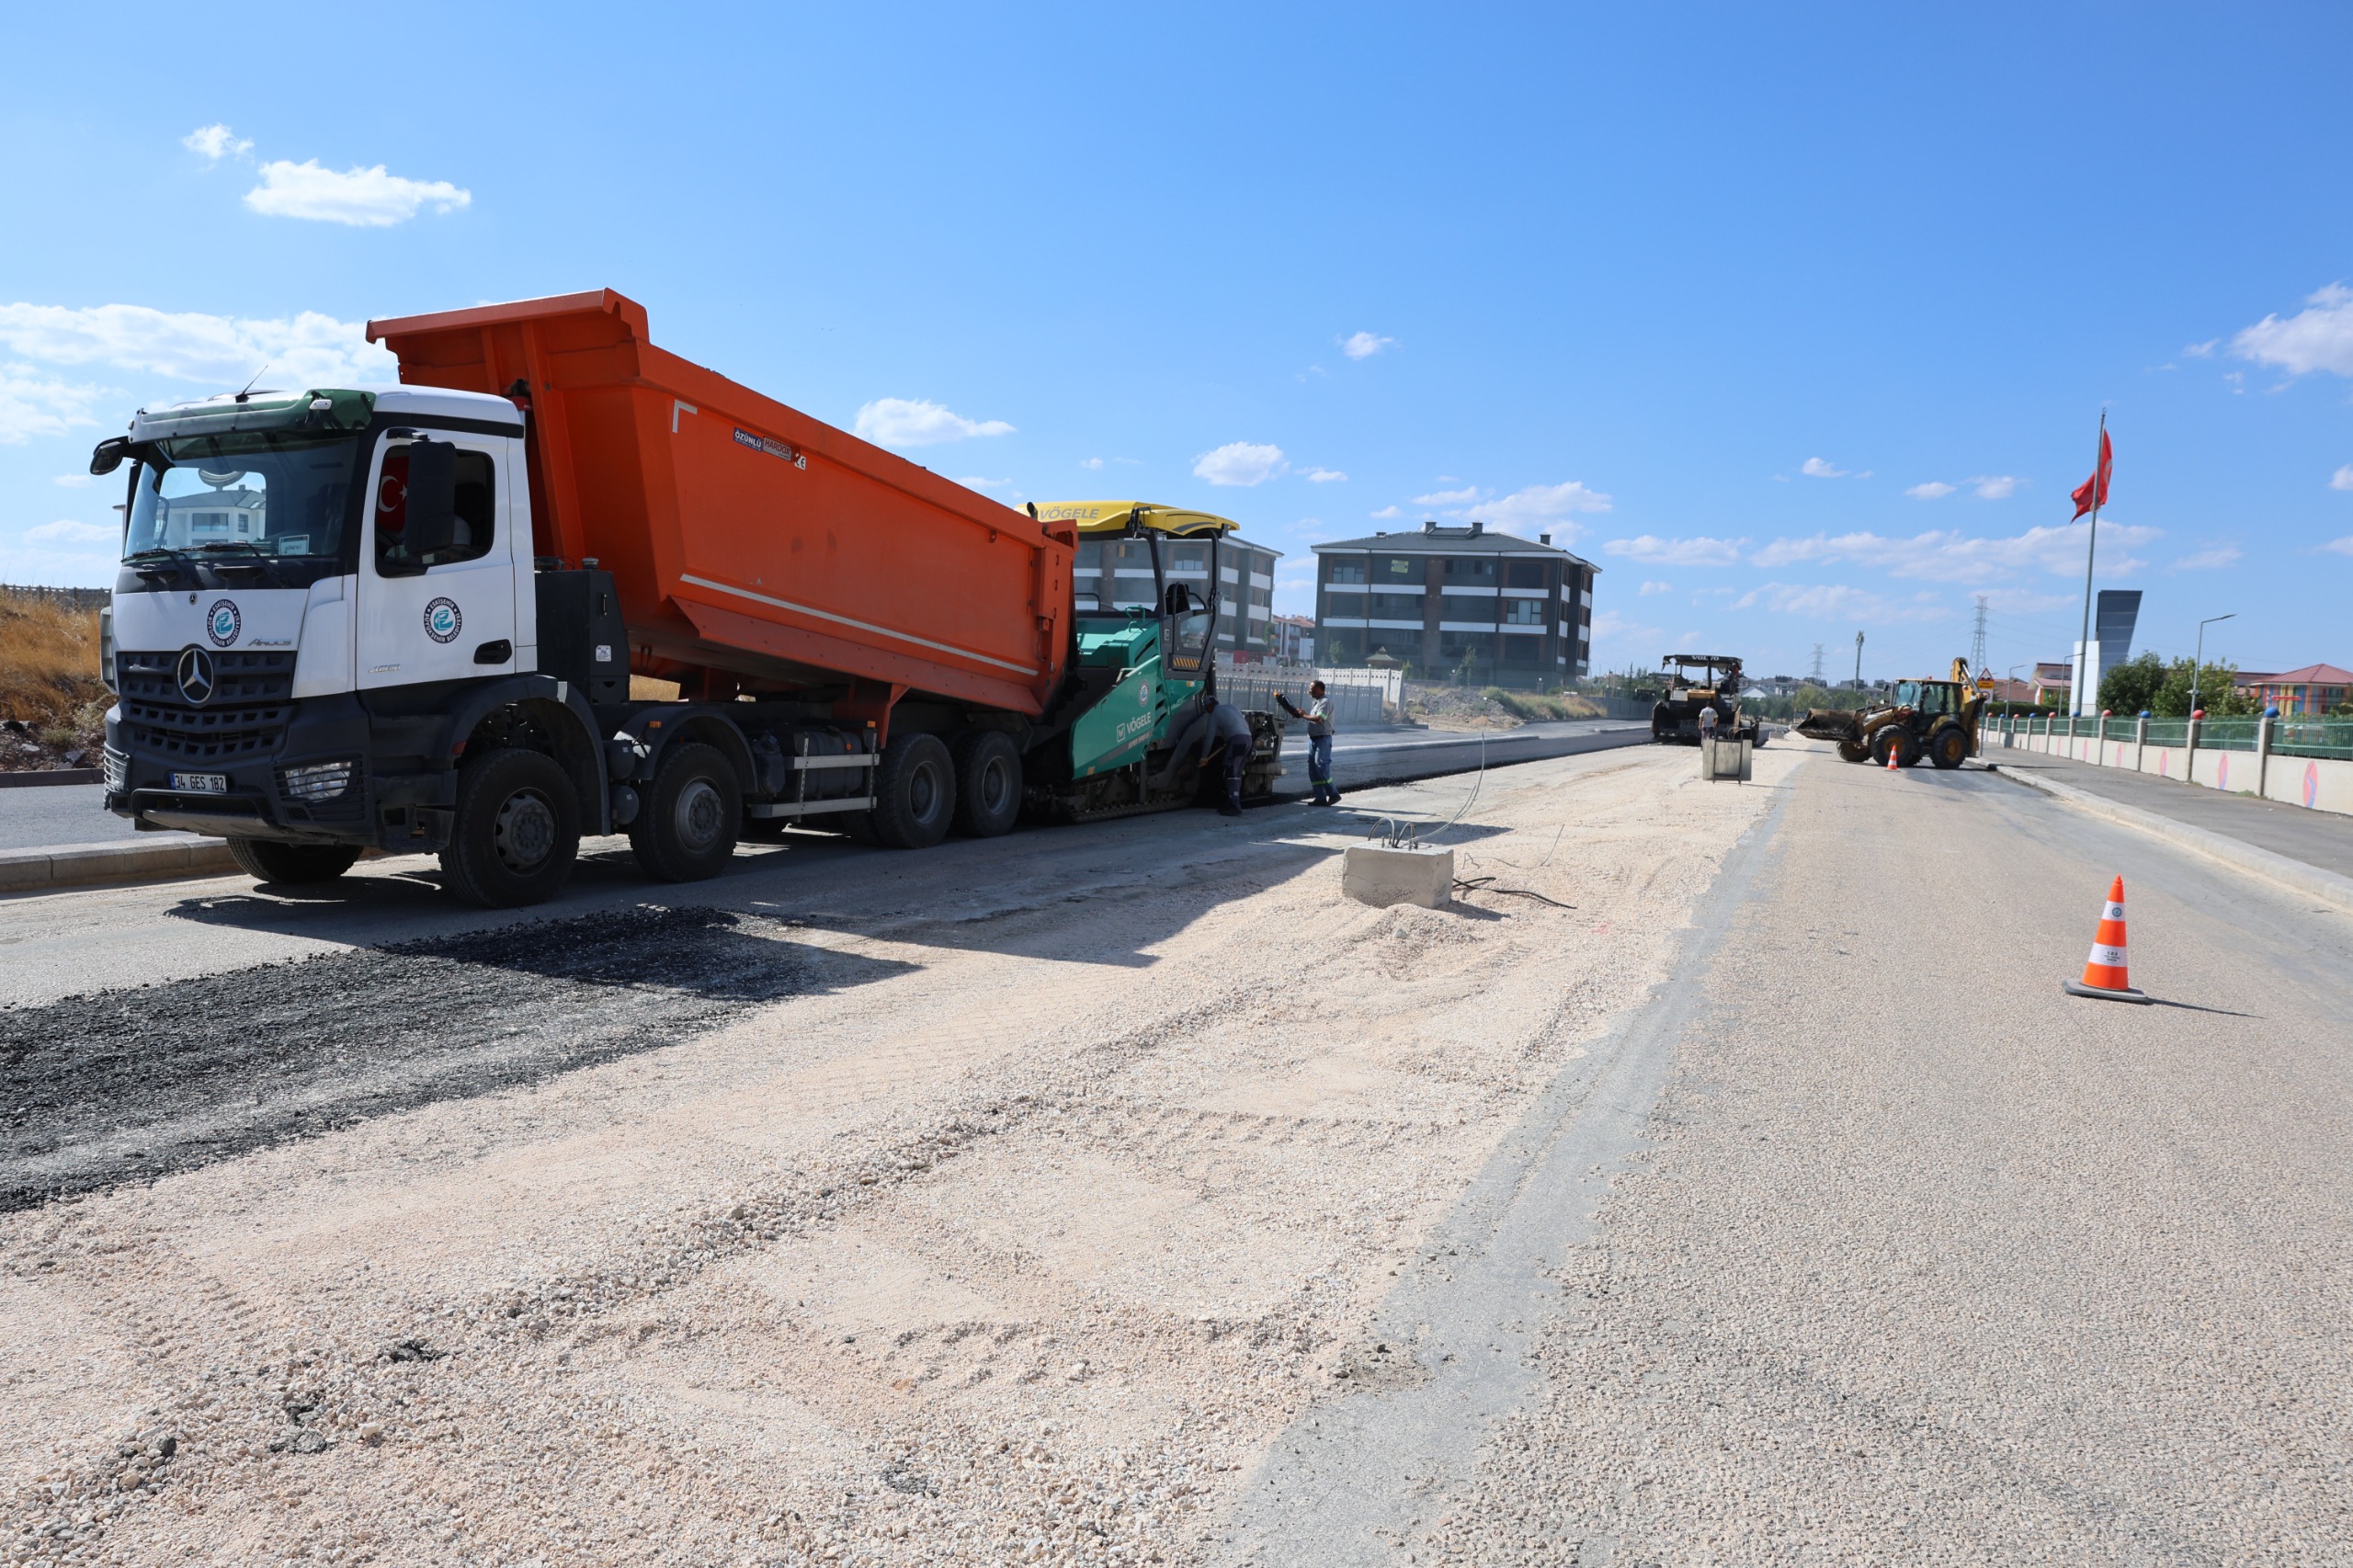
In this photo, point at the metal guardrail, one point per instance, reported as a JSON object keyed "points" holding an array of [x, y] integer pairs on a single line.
{"points": [[2325, 738]]}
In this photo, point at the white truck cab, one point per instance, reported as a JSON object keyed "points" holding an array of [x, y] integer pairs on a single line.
{"points": [[322, 596]]}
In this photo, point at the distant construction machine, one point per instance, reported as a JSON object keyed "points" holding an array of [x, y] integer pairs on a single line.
{"points": [[1675, 717], [1934, 718]]}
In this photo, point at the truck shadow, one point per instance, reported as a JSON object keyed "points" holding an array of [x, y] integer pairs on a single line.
{"points": [[135, 1084]]}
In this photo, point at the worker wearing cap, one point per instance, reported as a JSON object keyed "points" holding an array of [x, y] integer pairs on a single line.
{"points": [[1228, 737], [1708, 722]]}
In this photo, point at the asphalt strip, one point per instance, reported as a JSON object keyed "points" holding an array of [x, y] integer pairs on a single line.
{"points": [[1448, 1353]]}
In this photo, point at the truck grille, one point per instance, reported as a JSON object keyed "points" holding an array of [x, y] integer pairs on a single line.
{"points": [[245, 716]]}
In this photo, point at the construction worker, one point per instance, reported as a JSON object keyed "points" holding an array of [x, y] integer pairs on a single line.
{"points": [[1707, 723], [1319, 745], [1228, 738]]}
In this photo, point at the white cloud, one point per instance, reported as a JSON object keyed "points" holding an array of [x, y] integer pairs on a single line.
{"points": [[215, 142], [917, 422], [2340, 546], [1389, 512], [2211, 558], [2318, 338], [1529, 510], [1815, 468], [1995, 486], [1326, 476], [2342, 479], [75, 481], [974, 482], [1839, 601], [308, 350], [1448, 498], [1934, 490], [1240, 464], [1363, 345], [1951, 557], [1696, 552], [365, 198], [1093, 465], [34, 404], [1650, 588], [2200, 350], [65, 531]]}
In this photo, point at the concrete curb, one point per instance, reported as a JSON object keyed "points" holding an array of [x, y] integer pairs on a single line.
{"points": [[38, 776], [88, 865], [2240, 856]]}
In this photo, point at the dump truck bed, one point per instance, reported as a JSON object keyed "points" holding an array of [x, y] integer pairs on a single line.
{"points": [[744, 536]]}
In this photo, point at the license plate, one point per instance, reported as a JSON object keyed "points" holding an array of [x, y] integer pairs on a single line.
{"points": [[201, 783]]}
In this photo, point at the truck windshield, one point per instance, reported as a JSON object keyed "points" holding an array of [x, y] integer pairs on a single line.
{"points": [[252, 492]]}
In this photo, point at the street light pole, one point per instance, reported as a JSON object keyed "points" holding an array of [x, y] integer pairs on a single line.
{"points": [[1858, 667], [2198, 660]]}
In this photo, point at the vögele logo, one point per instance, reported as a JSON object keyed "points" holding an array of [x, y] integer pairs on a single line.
{"points": [[221, 623], [442, 621]]}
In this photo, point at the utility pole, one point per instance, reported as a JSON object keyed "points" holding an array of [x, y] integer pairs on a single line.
{"points": [[1858, 662], [1817, 664], [1977, 660], [2198, 660], [2084, 700]]}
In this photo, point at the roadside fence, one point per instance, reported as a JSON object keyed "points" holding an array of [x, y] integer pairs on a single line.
{"points": [[2298, 761], [74, 598]]}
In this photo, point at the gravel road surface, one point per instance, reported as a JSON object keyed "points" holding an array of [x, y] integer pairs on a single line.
{"points": [[1004, 1210], [1122, 1195]]}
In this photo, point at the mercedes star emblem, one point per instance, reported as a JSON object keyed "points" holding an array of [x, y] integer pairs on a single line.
{"points": [[195, 672]]}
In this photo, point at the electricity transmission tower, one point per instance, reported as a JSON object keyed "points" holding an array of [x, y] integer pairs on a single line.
{"points": [[1977, 643], [1817, 664]]}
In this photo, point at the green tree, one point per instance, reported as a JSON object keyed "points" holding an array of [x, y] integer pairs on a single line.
{"points": [[2218, 692], [2132, 686]]}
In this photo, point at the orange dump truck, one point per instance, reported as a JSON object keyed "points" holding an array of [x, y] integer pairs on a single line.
{"points": [[406, 618]]}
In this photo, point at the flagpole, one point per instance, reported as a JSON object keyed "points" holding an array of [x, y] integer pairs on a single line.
{"points": [[2084, 647]]}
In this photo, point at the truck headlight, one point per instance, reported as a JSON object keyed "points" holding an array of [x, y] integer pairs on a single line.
{"points": [[315, 781]]}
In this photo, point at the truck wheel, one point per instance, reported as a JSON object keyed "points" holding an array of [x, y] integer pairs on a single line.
{"points": [[293, 865], [1895, 739], [687, 832], [914, 792], [1854, 751], [517, 830], [1949, 747], [988, 783]]}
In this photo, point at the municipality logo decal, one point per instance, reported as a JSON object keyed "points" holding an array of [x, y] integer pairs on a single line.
{"points": [[442, 621], [221, 623]]}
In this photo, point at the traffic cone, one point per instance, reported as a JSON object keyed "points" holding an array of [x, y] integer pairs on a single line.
{"points": [[2104, 972], [1895, 748]]}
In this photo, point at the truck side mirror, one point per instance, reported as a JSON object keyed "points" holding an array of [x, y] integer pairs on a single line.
{"points": [[108, 454], [432, 498]]}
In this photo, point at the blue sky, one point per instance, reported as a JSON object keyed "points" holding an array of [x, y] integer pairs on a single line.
{"points": [[1795, 324]]}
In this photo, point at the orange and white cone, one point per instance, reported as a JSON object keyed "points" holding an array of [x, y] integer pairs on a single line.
{"points": [[2104, 973], [1894, 750]]}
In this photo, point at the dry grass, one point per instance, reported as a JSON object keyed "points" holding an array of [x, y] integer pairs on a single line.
{"points": [[49, 671]]}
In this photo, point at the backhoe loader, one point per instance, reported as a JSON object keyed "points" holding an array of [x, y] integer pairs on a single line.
{"points": [[1931, 718]]}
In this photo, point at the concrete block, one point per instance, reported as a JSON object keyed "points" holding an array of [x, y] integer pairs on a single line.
{"points": [[1380, 876]]}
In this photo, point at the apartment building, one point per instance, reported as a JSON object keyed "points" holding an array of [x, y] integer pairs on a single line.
{"points": [[1436, 599]]}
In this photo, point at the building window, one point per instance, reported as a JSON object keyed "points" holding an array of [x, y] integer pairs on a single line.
{"points": [[1524, 575], [1395, 606], [1398, 568], [1476, 571], [1349, 571], [1523, 612], [1463, 606]]}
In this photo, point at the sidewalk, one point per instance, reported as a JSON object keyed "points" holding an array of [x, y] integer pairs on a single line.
{"points": [[2323, 840]]}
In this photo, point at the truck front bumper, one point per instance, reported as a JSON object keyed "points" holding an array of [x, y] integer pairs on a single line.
{"points": [[296, 771]]}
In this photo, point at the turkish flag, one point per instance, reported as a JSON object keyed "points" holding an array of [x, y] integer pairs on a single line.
{"points": [[2092, 491]]}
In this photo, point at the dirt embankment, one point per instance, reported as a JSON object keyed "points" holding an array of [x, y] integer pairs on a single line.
{"points": [[1490, 708], [996, 1206], [52, 705]]}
